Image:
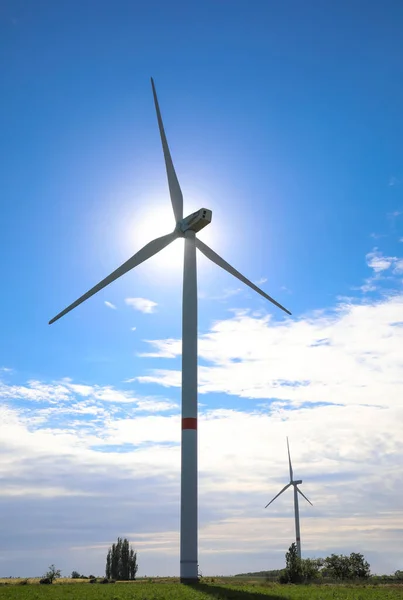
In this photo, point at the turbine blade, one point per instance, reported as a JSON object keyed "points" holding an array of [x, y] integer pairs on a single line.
{"points": [[174, 187], [289, 460], [298, 490], [146, 252], [279, 494], [215, 258]]}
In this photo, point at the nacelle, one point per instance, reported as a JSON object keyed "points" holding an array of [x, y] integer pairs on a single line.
{"points": [[196, 221], [297, 482]]}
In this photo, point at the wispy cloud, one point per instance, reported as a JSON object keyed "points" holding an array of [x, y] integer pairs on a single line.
{"points": [[253, 357], [156, 406], [133, 328], [5, 370], [109, 304], [66, 391], [398, 267], [378, 262], [394, 214], [261, 281], [369, 285], [169, 348], [385, 269], [223, 296], [142, 304], [393, 181]]}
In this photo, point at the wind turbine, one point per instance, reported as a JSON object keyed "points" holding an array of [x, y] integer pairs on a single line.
{"points": [[185, 228], [296, 507]]}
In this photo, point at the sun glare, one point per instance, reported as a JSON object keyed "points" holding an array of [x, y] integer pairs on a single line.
{"points": [[156, 219]]}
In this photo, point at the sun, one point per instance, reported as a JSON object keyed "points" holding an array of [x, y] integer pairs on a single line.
{"points": [[154, 219]]}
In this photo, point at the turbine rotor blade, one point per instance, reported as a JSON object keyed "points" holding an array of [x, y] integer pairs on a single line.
{"points": [[289, 461], [279, 494], [146, 252], [215, 258], [298, 490], [174, 187]]}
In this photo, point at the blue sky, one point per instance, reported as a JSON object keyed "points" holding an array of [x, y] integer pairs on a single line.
{"points": [[285, 120]]}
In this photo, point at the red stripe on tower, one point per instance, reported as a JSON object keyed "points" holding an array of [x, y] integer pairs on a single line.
{"points": [[298, 539], [189, 423]]}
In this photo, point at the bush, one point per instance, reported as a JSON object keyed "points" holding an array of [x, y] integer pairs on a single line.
{"points": [[104, 580], [283, 578], [45, 580], [23, 582], [92, 580]]}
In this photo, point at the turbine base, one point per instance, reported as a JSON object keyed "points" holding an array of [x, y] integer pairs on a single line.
{"points": [[190, 580]]}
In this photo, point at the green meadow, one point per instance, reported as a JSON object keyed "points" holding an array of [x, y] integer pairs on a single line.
{"points": [[206, 590]]}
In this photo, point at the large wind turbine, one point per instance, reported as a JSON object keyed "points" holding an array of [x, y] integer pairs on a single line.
{"points": [[296, 507], [185, 228]]}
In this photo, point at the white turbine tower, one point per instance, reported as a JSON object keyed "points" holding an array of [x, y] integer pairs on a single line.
{"points": [[185, 228], [296, 507]]}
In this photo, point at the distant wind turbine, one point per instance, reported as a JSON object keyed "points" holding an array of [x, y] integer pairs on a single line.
{"points": [[185, 228], [297, 491]]}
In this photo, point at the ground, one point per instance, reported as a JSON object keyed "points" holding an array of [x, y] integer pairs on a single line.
{"points": [[209, 588]]}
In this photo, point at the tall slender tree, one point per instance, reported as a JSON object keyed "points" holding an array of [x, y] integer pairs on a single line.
{"points": [[133, 566], [121, 561], [108, 565]]}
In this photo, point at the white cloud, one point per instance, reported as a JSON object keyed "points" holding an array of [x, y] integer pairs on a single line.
{"points": [[5, 370], [35, 391], [156, 406], [340, 452], [163, 349], [350, 356], [330, 380], [133, 328], [393, 181], [368, 285], [378, 262], [398, 266], [109, 304], [142, 304], [65, 392]]}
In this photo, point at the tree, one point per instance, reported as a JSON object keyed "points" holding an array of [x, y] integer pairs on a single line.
{"points": [[121, 561], [124, 560], [75, 575], [359, 567], [133, 566], [108, 564], [310, 568], [52, 573], [343, 567], [293, 567]]}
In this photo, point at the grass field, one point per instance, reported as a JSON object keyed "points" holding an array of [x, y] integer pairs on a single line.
{"points": [[166, 590]]}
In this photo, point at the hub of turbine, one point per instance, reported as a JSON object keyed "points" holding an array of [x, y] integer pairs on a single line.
{"points": [[196, 221], [297, 482]]}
